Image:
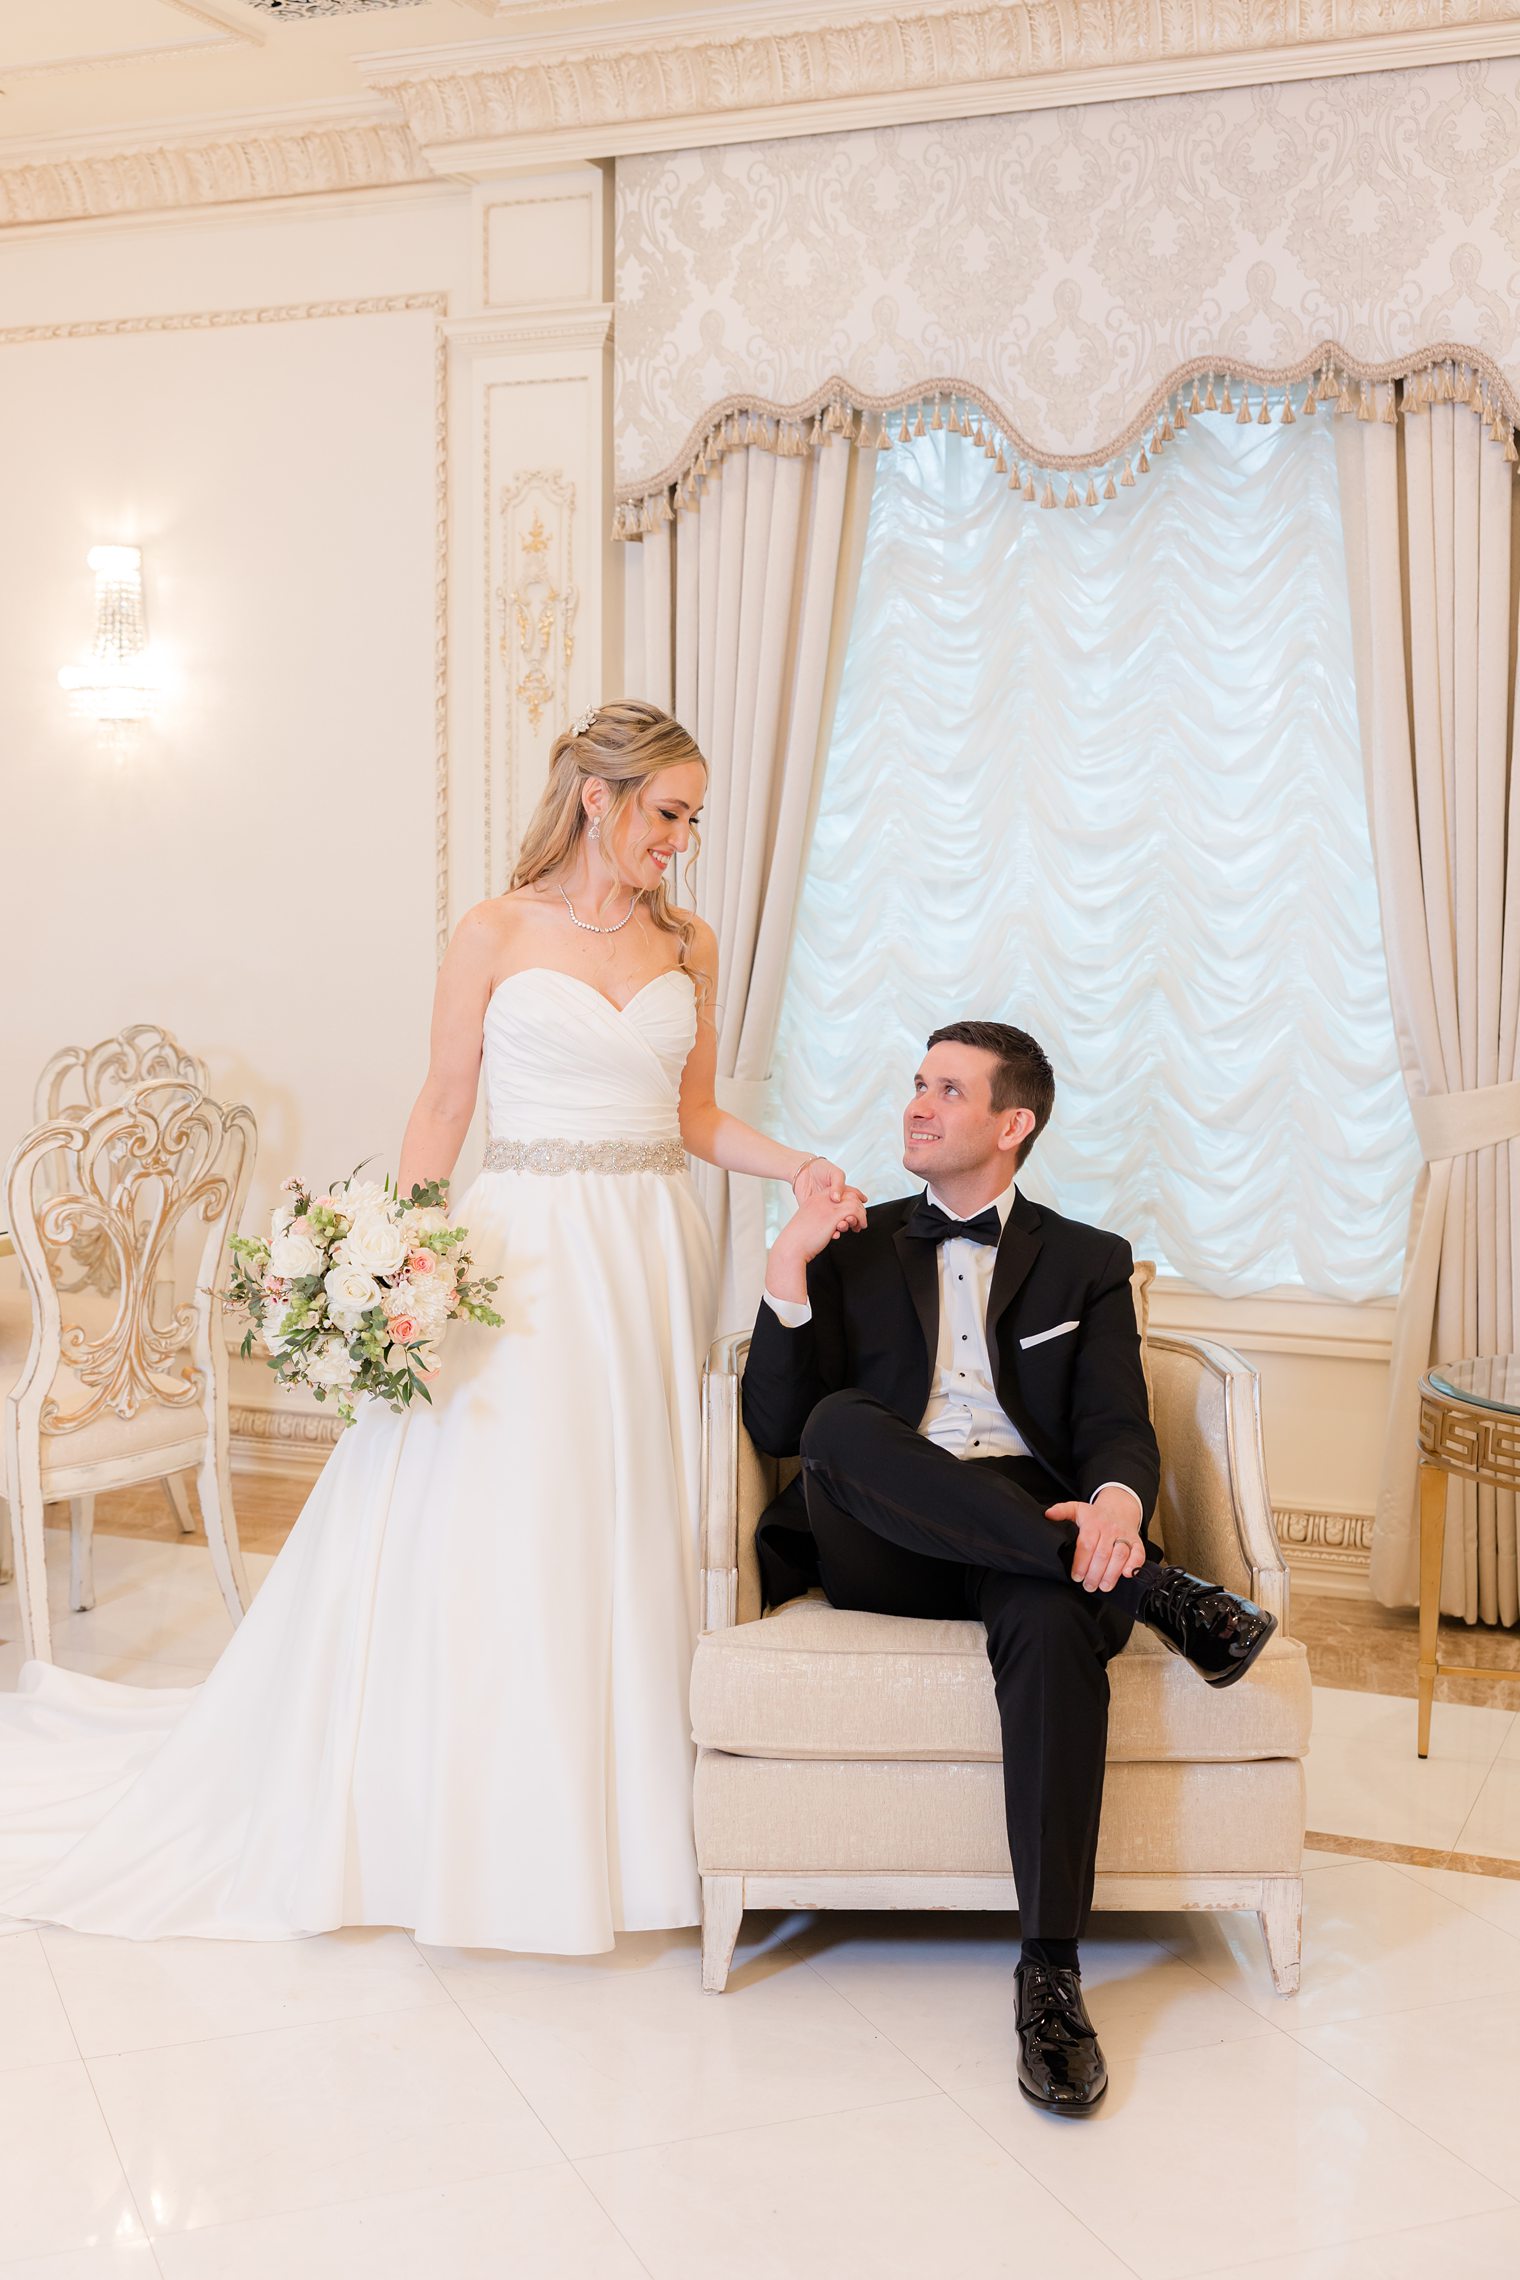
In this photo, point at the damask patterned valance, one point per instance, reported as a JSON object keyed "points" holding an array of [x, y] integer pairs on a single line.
{"points": [[1064, 278]]}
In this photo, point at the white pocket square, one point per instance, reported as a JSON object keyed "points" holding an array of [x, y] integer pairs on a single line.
{"points": [[1040, 1336]]}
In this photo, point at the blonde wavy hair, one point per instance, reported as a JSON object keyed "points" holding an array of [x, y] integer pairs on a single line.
{"points": [[623, 745]]}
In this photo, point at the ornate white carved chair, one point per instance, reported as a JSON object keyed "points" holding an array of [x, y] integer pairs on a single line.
{"points": [[128, 1384], [77, 1079], [847, 1760]]}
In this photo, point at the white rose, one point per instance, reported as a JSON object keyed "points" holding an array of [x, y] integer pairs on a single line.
{"points": [[427, 1220], [357, 1199], [295, 1254], [331, 1367], [351, 1292], [272, 1330], [374, 1243]]}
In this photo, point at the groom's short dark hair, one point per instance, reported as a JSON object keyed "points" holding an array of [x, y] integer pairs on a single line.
{"points": [[1023, 1077]]}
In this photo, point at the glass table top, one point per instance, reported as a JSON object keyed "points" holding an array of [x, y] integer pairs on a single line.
{"points": [[1490, 1381]]}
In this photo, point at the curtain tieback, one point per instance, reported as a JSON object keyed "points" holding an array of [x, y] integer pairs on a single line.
{"points": [[1458, 1123], [747, 1097]]}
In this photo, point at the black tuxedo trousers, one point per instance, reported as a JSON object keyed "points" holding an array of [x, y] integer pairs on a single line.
{"points": [[904, 1528], [891, 1523]]}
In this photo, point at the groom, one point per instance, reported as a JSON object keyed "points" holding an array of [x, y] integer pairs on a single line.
{"points": [[960, 1373]]}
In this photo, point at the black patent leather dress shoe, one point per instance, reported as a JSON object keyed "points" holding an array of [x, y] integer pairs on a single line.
{"points": [[1060, 2065], [1219, 1633]]}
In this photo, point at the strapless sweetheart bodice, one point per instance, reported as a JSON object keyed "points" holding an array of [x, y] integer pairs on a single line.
{"points": [[563, 1062]]}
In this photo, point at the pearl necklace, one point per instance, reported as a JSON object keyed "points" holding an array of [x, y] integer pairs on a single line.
{"points": [[586, 925]]}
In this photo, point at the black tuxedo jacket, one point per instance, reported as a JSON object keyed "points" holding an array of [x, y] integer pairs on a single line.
{"points": [[1078, 1398]]}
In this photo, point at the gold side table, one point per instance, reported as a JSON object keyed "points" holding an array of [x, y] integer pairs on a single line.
{"points": [[1469, 1428]]}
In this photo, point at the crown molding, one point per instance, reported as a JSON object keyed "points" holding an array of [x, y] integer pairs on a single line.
{"points": [[509, 102], [288, 155]]}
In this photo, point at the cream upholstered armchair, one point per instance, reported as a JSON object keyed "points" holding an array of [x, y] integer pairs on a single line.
{"points": [[847, 1760], [114, 1385]]}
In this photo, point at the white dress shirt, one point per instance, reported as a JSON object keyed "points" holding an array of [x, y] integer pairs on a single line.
{"points": [[964, 1414]]}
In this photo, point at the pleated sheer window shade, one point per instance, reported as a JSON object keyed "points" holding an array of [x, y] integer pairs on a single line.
{"points": [[1098, 774]]}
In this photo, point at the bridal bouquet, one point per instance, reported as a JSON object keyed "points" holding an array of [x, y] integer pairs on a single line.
{"points": [[350, 1291]]}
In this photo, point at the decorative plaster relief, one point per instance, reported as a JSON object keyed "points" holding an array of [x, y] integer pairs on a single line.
{"points": [[280, 160]]}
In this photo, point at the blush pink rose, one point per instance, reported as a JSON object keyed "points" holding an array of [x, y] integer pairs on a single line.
{"points": [[402, 1327], [422, 1262]]}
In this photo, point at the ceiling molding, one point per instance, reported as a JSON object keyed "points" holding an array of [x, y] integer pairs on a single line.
{"points": [[583, 94], [275, 158]]}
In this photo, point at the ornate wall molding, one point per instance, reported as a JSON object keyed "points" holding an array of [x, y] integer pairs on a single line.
{"points": [[280, 158], [1069, 269], [295, 312], [1338, 1542], [535, 601], [743, 79]]}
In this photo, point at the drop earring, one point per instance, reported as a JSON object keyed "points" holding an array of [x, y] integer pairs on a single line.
{"points": [[595, 832]]}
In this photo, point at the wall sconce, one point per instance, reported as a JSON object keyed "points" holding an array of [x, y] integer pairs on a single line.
{"points": [[119, 688]]}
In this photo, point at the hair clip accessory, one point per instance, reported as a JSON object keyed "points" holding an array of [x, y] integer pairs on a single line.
{"points": [[587, 720]]}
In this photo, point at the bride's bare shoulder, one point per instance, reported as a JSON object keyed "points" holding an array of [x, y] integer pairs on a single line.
{"points": [[495, 933]]}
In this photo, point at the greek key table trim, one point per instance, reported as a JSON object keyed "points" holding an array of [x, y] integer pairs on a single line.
{"points": [[1459, 1440]]}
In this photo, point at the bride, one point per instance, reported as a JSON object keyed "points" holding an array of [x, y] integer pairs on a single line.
{"points": [[458, 1703]]}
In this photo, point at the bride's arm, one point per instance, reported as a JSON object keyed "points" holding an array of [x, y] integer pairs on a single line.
{"points": [[436, 1128], [711, 1132]]}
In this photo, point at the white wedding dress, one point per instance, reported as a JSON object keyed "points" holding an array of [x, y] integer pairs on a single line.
{"points": [[459, 1701]]}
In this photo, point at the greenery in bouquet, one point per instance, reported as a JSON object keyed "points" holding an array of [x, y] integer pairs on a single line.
{"points": [[352, 1289]]}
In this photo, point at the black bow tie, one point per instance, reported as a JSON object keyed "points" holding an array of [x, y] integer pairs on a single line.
{"points": [[932, 1225]]}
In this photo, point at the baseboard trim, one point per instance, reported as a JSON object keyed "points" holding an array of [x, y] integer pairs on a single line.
{"points": [[1326, 1549], [287, 1441]]}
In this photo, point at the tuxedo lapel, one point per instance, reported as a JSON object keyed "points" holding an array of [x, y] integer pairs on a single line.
{"points": [[920, 1265], [1017, 1253]]}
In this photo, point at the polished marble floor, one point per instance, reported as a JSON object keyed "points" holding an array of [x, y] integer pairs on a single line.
{"points": [[359, 2108]]}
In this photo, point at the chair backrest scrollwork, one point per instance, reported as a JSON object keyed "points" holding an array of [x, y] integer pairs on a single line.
{"points": [[81, 1077], [154, 1183]]}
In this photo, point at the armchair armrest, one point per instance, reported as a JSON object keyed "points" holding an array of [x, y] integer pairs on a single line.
{"points": [[1215, 1511], [737, 1485]]}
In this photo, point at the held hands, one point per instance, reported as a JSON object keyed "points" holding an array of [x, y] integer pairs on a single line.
{"points": [[819, 1221], [1108, 1538], [819, 1177]]}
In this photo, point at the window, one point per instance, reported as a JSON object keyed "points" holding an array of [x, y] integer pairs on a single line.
{"points": [[1098, 773]]}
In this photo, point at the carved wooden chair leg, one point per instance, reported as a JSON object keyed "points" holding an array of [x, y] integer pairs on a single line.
{"points": [[29, 1547], [179, 1497], [1282, 1921], [82, 1552], [722, 1914], [213, 1486]]}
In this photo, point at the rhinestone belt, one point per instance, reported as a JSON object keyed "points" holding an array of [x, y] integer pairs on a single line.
{"points": [[559, 1156]]}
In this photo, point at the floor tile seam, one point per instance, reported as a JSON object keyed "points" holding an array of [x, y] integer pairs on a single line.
{"points": [[981, 2127], [105, 2123], [1409, 1871], [1472, 1812], [1462, 2160], [349, 2201], [923, 2097], [494, 2055], [1352, 2240], [249, 2034], [34, 1932]]}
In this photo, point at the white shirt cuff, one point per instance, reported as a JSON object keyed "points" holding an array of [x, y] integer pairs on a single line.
{"points": [[1124, 1484], [791, 1313]]}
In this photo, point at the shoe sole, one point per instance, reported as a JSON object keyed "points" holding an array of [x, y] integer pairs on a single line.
{"points": [[1238, 1671], [1063, 2113]]}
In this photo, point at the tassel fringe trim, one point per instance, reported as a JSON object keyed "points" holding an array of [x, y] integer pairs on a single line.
{"points": [[1331, 382]]}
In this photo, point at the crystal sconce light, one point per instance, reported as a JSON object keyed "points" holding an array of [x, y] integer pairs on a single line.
{"points": [[119, 688]]}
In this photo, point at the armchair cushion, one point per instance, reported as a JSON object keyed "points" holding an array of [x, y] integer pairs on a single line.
{"points": [[815, 1681]]}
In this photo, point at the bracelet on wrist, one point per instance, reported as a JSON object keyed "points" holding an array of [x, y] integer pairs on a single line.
{"points": [[801, 1168]]}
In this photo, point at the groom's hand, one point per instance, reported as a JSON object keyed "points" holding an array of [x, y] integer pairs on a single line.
{"points": [[1108, 1538], [812, 1227]]}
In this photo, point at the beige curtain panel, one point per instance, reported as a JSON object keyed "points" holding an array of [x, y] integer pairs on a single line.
{"points": [[1430, 519], [738, 619]]}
